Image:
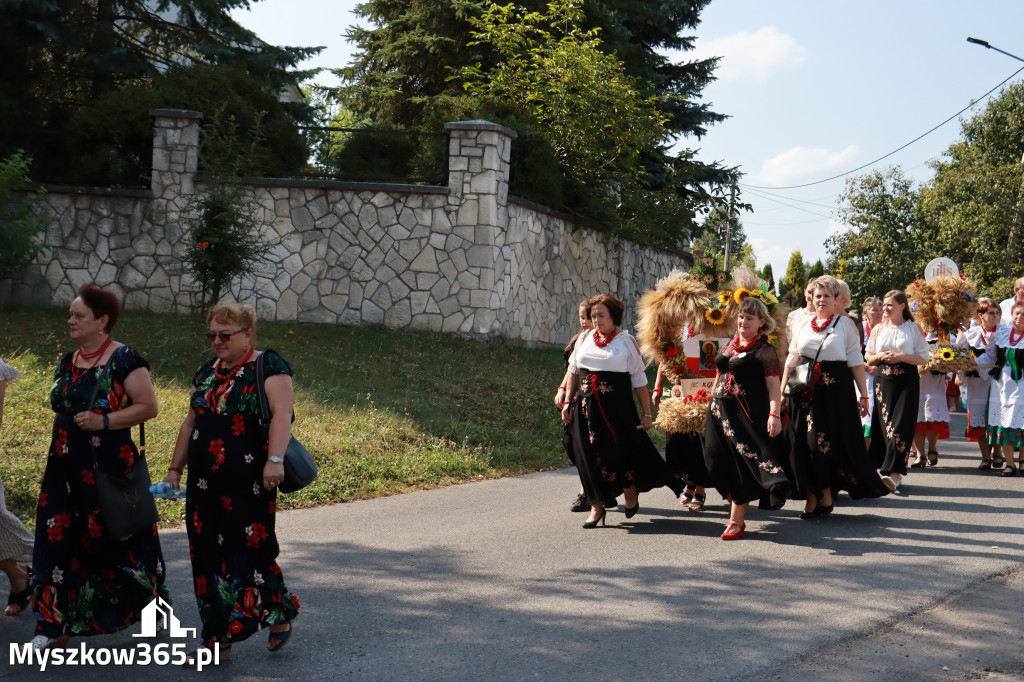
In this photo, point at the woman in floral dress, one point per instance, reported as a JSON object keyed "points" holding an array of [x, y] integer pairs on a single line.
{"points": [[86, 583], [741, 448], [232, 486], [825, 437], [895, 349]]}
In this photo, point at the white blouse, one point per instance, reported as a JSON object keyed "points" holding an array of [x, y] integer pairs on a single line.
{"points": [[842, 345], [1000, 339], [905, 339], [797, 319], [972, 338], [621, 355]]}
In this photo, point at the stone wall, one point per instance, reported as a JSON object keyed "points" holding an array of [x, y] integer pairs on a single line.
{"points": [[464, 258]]}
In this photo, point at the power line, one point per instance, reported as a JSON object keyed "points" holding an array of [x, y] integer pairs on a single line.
{"points": [[798, 208], [881, 158], [762, 195]]}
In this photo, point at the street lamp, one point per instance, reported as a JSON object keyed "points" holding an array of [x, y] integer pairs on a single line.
{"points": [[984, 43]]}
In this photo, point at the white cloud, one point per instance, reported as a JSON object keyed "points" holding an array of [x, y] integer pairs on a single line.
{"points": [[837, 226], [804, 163], [750, 56]]}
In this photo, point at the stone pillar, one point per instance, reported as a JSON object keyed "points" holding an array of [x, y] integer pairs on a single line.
{"points": [[175, 150], [479, 162]]}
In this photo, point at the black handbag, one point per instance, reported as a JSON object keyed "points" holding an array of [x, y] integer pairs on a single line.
{"points": [[125, 501], [299, 467], [801, 377]]}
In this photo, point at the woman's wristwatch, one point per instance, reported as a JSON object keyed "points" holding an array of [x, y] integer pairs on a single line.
{"points": [[273, 459]]}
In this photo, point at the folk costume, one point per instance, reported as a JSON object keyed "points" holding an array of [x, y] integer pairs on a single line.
{"points": [[1006, 393], [977, 382], [825, 436], [897, 391], [741, 459], [611, 452]]}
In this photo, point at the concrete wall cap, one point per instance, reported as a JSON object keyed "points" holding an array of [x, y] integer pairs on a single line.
{"points": [[176, 113], [480, 125]]}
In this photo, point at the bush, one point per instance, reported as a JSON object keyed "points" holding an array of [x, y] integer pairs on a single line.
{"points": [[20, 221]]}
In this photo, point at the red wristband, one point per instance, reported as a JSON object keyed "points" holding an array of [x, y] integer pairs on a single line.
{"points": [[178, 469], [770, 414]]}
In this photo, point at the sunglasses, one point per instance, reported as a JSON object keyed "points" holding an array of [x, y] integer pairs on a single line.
{"points": [[224, 336]]}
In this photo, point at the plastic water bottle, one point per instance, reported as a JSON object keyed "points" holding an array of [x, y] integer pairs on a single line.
{"points": [[166, 491]]}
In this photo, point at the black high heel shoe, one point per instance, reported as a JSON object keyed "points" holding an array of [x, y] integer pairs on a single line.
{"points": [[600, 519], [630, 512], [823, 509]]}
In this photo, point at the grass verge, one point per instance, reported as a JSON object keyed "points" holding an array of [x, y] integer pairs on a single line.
{"points": [[382, 411]]}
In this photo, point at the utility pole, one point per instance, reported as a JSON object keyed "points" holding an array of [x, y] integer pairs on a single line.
{"points": [[728, 224]]}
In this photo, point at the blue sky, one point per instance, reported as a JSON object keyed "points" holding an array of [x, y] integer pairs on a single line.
{"points": [[813, 89]]}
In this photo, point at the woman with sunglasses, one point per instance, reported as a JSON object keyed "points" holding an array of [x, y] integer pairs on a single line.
{"points": [[975, 340], [232, 485], [85, 582]]}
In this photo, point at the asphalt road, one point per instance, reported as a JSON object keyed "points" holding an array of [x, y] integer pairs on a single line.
{"points": [[496, 580]]}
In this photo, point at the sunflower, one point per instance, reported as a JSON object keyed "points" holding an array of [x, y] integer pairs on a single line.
{"points": [[947, 354], [773, 339], [715, 316], [740, 294], [723, 299]]}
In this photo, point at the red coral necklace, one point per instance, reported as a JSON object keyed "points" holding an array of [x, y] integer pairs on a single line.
{"points": [[78, 372], [824, 323], [736, 346], [1014, 342], [602, 341]]}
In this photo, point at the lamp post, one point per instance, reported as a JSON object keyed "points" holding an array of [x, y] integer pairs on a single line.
{"points": [[1018, 214], [984, 43]]}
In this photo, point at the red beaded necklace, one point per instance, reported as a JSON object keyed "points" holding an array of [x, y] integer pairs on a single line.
{"points": [[736, 346], [224, 383], [824, 323], [602, 341], [1014, 342], [985, 339], [78, 372]]}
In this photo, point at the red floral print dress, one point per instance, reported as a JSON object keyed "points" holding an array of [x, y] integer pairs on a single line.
{"points": [[84, 582], [229, 514]]}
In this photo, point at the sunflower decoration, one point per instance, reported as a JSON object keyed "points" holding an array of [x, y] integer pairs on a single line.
{"points": [[715, 317], [942, 305], [745, 284]]}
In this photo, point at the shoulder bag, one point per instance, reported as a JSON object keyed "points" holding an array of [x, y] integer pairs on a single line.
{"points": [[801, 377], [299, 467], [125, 501]]}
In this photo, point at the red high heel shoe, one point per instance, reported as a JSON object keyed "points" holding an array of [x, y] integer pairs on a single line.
{"points": [[735, 535]]}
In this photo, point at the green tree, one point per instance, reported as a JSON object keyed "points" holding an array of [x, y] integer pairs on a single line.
{"points": [[60, 56], [975, 199], [414, 64], [816, 270], [795, 277], [21, 221], [768, 276], [224, 239], [887, 243]]}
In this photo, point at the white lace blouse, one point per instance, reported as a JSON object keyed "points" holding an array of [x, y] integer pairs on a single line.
{"points": [[842, 345], [905, 339], [621, 355]]}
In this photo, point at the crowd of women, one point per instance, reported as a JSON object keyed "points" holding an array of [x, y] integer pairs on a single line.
{"points": [[85, 581], [866, 411]]}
